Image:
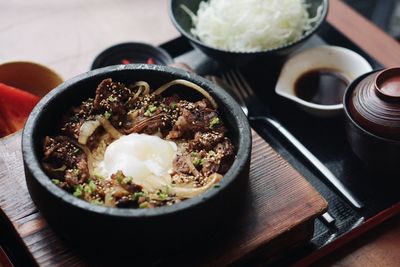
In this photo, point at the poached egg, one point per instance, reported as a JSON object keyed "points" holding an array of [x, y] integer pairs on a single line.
{"points": [[146, 158]]}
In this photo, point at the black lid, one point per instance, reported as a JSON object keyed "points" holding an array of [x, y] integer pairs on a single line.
{"points": [[127, 53]]}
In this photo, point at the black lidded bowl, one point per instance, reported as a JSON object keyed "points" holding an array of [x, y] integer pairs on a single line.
{"points": [[183, 24], [133, 53], [379, 154], [81, 222]]}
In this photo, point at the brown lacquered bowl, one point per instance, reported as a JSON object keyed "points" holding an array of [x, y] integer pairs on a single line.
{"points": [[372, 108]]}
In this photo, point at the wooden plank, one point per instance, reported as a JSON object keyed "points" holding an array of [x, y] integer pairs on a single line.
{"points": [[280, 210], [14, 188], [364, 33]]}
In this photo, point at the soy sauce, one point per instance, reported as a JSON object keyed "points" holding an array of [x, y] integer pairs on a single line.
{"points": [[321, 86]]}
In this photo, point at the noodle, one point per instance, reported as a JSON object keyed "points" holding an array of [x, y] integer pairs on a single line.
{"points": [[133, 147]]}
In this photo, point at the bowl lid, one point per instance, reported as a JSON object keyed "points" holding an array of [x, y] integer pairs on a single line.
{"points": [[375, 103]]}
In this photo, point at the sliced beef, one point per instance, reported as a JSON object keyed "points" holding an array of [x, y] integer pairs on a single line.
{"points": [[180, 164], [76, 117], [111, 99], [94, 140], [206, 140], [63, 152], [151, 125], [209, 167], [227, 152], [197, 117]]}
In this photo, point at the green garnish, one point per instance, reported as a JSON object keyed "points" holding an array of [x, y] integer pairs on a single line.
{"points": [[98, 177], [150, 110], [217, 186], [197, 161], [119, 176], [214, 121], [211, 153], [107, 115], [78, 191], [112, 98], [143, 205], [163, 195], [76, 172], [92, 185], [76, 150], [173, 105], [56, 181], [87, 190], [137, 195], [127, 180]]}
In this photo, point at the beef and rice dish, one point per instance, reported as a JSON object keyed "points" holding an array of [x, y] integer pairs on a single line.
{"points": [[133, 147]]}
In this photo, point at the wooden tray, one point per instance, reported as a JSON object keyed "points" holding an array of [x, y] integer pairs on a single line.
{"points": [[280, 210]]}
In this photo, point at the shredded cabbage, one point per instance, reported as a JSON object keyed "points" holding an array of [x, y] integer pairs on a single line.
{"points": [[251, 25]]}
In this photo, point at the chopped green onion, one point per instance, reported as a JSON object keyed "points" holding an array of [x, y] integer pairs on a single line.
{"points": [[214, 121], [127, 180], [143, 205], [107, 115], [56, 181], [112, 98], [78, 191], [137, 195], [119, 176], [150, 110], [98, 176], [87, 189], [197, 161], [163, 195], [92, 185]]}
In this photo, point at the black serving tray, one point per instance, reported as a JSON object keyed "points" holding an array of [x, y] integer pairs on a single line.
{"points": [[324, 137]]}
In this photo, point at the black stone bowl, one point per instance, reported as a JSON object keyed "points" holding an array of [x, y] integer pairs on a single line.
{"points": [[183, 24], [380, 155], [87, 224]]}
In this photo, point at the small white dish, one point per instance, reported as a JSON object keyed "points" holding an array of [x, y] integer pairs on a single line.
{"points": [[342, 60]]}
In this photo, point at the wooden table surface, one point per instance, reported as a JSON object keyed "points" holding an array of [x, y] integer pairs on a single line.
{"points": [[67, 35]]}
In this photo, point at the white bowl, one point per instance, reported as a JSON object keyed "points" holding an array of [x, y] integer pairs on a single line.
{"points": [[344, 61]]}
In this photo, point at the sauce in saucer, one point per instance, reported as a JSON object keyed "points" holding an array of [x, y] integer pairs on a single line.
{"points": [[321, 86]]}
